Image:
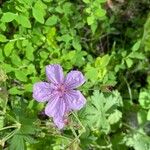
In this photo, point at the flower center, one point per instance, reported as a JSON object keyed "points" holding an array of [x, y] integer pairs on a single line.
{"points": [[61, 89]]}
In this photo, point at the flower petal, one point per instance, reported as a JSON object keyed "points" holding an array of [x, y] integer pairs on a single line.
{"points": [[59, 122], [55, 107], [75, 100], [54, 73], [42, 91], [74, 79]]}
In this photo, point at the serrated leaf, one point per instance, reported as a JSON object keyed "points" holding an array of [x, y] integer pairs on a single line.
{"points": [[17, 143], [138, 141], [115, 117], [144, 99], [30, 140], [141, 116], [99, 110]]}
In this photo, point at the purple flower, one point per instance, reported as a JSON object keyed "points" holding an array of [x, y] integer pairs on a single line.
{"points": [[60, 93]]}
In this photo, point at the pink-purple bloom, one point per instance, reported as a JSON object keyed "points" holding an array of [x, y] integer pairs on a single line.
{"points": [[60, 93]]}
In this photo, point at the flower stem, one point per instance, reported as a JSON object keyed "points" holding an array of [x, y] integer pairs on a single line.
{"points": [[74, 133], [10, 135], [9, 127], [76, 136], [83, 128]]}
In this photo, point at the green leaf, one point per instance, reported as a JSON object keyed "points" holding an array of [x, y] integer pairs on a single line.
{"points": [[141, 116], [21, 75], [15, 91], [39, 11], [31, 69], [99, 12], [76, 44], [66, 38], [2, 118], [90, 20], [144, 99], [7, 67], [3, 38], [1, 55], [129, 62], [136, 46], [35, 79], [91, 73], [28, 87], [102, 62], [8, 48], [17, 142], [138, 141], [51, 20], [102, 73], [86, 1], [115, 117], [30, 140], [99, 110], [67, 8], [27, 128], [51, 37], [38, 15], [29, 52], [15, 59], [148, 115], [136, 55], [8, 17], [96, 116], [3, 78], [24, 21], [94, 27]]}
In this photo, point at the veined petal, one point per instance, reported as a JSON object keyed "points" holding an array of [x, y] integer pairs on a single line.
{"points": [[59, 122], [42, 91], [75, 100], [74, 79], [55, 107], [54, 73]]}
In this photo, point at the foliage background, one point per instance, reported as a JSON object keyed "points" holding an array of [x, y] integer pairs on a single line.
{"points": [[109, 41]]}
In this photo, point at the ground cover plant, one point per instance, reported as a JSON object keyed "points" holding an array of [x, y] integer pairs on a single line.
{"points": [[103, 99]]}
